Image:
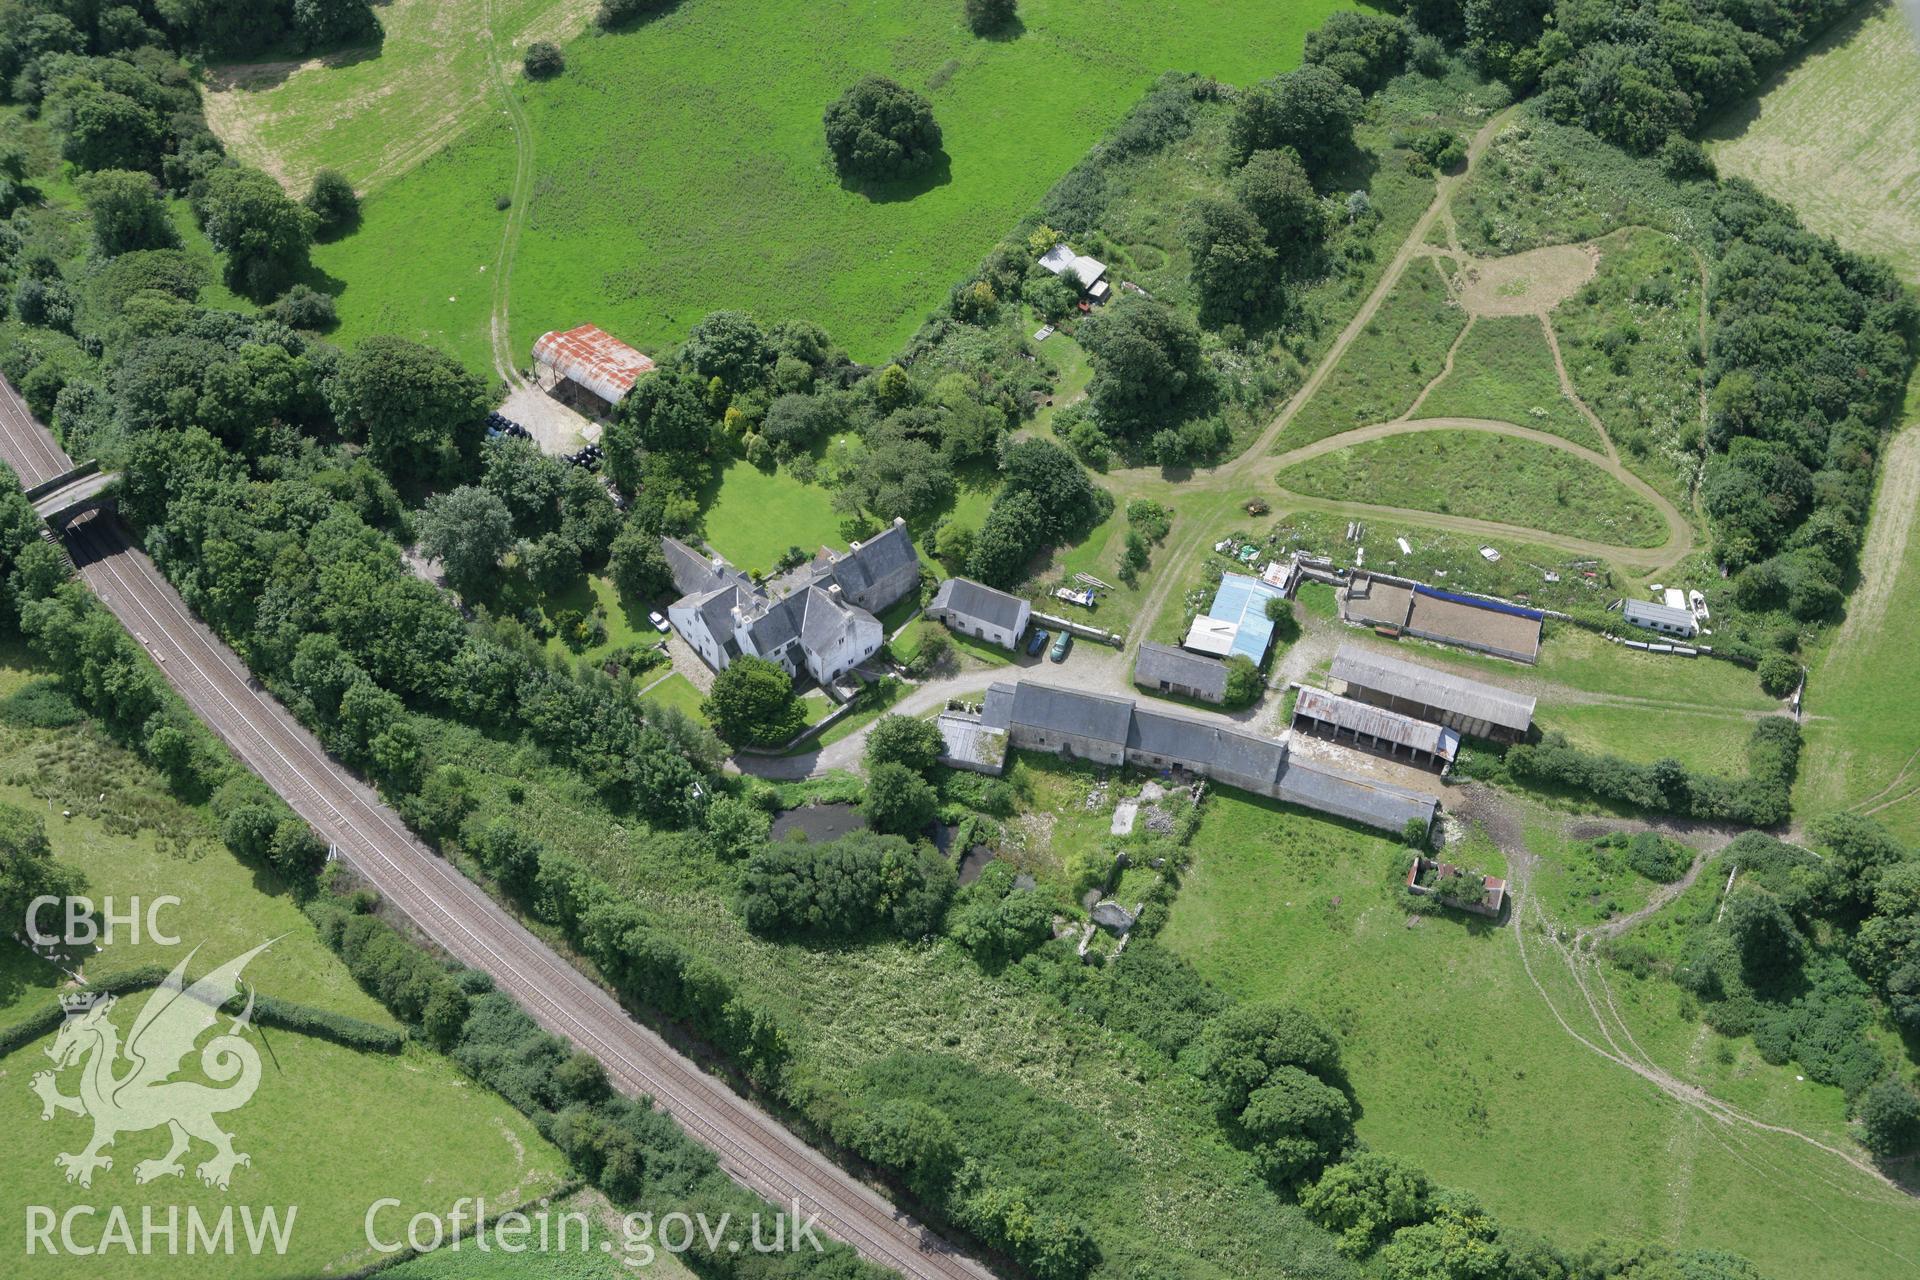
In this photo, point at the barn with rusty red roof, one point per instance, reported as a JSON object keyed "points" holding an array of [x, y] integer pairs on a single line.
{"points": [[587, 368]]}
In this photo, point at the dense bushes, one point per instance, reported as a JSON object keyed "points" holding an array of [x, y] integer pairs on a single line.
{"points": [[398, 974], [846, 887], [1044, 496], [1273, 1071], [1762, 799]]}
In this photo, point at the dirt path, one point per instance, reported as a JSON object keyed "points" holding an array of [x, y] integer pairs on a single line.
{"points": [[1608, 1034], [1176, 562], [499, 333], [1566, 389]]}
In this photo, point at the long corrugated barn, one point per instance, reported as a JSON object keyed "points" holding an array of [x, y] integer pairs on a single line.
{"points": [[1328, 714], [1473, 707]]}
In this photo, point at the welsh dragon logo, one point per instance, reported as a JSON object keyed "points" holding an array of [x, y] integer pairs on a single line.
{"points": [[129, 1089]]}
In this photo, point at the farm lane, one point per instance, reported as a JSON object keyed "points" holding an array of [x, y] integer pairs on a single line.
{"points": [[753, 1147]]}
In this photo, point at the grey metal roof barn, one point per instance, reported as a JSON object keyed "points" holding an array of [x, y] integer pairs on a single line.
{"points": [[973, 600], [1314, 786], [1660, 617], [1408, 686], [1161, 666]]}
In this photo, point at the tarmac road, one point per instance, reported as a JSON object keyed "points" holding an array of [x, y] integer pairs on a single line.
{"points": [[753, 1147]]}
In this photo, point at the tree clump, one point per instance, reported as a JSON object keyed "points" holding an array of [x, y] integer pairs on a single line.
{"points": [[882, 130]]}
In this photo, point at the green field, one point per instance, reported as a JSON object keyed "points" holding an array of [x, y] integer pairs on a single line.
{"points": [[679, 168], [1713, 742], [1837, 136], [1503, 370], [1402, 349], [1863, 696], [1484, 477], [1462, 1068], [375, 113], [321, 1128]]}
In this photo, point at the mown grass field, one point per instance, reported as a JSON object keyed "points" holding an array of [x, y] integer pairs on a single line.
{"points": [[374, 113], [1837, 136], [679, 167], [1503, 370], [675, 690], [322, 1127], [1462, 1068], [1402, 349], [1863, 694], [1486, 477]]}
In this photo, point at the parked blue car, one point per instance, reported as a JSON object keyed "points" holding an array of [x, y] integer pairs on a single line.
{"points": [[1039, 642]]}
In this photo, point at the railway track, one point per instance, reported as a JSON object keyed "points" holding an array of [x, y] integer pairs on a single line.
{"points": [[753, 1147]]}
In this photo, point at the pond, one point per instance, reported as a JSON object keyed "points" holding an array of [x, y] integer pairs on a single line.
{"points": [[820, 821]]}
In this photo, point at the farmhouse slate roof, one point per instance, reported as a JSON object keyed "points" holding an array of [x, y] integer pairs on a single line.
{"points": [[868, 562], [996, 709], [1412, 682], [694, 573], [1205, 676], [1098, 716], [979, 603], [1181, 738]]}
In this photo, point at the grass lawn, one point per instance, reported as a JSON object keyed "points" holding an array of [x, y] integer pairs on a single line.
{"points": [[1461, 1068], [718, 192], [1583, 662], [875, 699], [320, 1128], [598, 592], [1318, 600], [677, 691], [1401, 350], [1504, 371], [1837, 136], [754, 516], [1486, 477]]}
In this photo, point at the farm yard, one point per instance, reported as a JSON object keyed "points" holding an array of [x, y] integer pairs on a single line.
{"points": [[1005, 938], [650, 218]]}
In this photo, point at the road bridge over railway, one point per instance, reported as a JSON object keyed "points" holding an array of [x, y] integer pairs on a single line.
{"points": [[81, 488]]}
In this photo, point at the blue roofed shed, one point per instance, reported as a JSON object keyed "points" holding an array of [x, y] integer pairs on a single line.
{"points": [[1241, 602]]}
